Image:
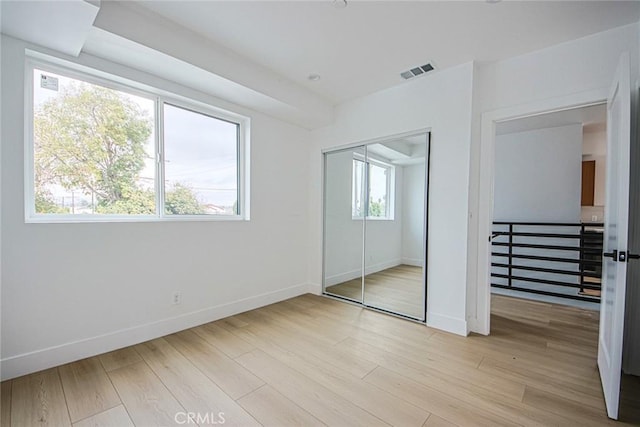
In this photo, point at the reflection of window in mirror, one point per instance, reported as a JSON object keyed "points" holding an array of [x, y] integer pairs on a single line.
{"points": [[358, 193], [380, 189]]}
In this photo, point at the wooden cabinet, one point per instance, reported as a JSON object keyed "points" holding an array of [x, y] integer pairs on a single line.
{"points": [[588, 182]]}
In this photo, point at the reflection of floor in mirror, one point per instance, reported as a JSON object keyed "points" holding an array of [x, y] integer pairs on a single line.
{"points": [[397, 289]]}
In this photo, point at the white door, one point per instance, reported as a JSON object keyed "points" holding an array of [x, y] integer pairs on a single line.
{"points": [[614, 273]]}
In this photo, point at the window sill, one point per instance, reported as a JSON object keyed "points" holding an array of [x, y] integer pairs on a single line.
{"points": [[55, 219], [372, 218]]}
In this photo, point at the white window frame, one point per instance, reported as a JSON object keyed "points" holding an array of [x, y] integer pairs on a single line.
{"points": [[159, 97], [390, 190]]}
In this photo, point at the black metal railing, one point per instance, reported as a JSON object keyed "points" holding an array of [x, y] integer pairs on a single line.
{"points": [[548, 258]]}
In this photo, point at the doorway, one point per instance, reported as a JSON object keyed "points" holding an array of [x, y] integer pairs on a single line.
{"points": [[481, 297], [548, 207], [616, 218], [374, 236]]}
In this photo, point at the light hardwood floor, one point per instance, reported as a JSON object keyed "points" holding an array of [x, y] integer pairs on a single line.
{"points": [[397, 289], [316, 361]]}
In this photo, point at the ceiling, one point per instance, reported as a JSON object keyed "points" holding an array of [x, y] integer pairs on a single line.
{"points": [[258, 54], [363, 48], [409, 150], [62, 26], [593, 118]]}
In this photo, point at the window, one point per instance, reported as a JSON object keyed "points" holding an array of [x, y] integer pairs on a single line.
{"points": [[200, 163], [373, 189], [99, 151]]}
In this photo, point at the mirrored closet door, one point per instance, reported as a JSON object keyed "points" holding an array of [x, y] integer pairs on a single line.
{"points": [[375, 211], [343, 232]]}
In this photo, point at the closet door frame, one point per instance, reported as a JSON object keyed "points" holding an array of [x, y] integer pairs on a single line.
{"points": [[364, 144]]}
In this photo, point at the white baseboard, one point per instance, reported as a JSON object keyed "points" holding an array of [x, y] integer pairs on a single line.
{"points": [[476, 326], [38, 360], [314, 288], [416, 262], [447, 323]]}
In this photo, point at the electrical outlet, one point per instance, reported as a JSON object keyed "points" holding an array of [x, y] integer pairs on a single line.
{"points": [[177, 298], [594, 218]]}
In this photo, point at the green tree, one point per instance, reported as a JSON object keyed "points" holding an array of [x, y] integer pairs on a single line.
{"points": [[92, 139], [376, 209], [180, 200], [45, 203], [134, 202]]}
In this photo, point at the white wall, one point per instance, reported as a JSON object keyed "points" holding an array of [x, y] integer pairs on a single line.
{"points": [[537, 175], [413, 215], [595, 148], [573, 67], [74, 290], [537, 178], [442, 102]]}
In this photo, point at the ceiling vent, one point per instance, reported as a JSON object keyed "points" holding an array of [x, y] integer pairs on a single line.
{"points": [[415, 72]]}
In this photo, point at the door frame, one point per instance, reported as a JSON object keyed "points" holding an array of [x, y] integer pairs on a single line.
{"points": [[481, 323]]}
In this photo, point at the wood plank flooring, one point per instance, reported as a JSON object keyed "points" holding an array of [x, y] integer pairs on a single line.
{"points": [[315, 361], [397, 289]]}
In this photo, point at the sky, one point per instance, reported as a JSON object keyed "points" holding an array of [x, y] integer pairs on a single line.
{"points": [[200, 150], [377, 182]]}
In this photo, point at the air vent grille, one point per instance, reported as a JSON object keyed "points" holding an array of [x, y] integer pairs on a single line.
{"points": [[414, 72]]}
